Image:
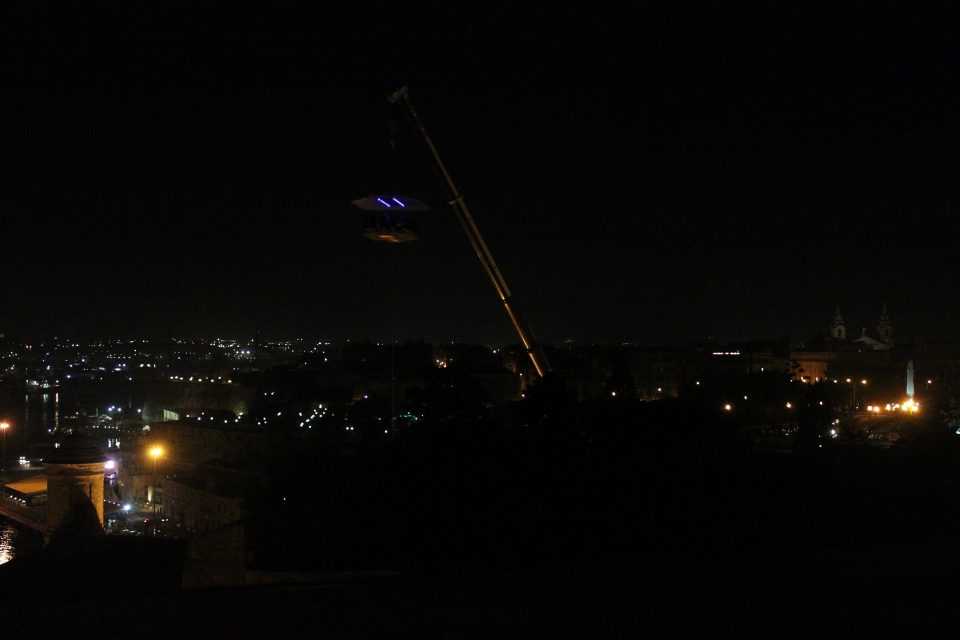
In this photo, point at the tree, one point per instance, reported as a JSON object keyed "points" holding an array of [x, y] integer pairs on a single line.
{"points": [[951, 415]]}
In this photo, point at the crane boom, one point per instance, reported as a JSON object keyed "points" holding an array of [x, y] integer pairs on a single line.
{"points": [[534, 350]]}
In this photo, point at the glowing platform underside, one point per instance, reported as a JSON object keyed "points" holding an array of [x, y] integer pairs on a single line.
{"points": [[390, 235]]}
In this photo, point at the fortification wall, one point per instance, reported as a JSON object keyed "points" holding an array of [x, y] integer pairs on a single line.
{"points": [[216, 559], [194, 445], [195, 397]]}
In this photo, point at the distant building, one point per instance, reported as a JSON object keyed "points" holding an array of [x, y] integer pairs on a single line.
{"points": [[866, 341], [187, 443], [663, 372], [879, 340], [885, 329], [209, 497], [837, 329], [175, 400], [30, 491]]}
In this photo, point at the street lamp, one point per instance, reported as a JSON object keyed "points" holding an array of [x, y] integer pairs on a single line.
{"points": [[156, 452], [854, 383], [3, 465]]}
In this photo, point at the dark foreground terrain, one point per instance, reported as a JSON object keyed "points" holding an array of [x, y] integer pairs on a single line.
{"points": [[622, 529]]}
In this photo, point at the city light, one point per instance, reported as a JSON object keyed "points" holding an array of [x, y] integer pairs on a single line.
{"points": [[3, 467]]}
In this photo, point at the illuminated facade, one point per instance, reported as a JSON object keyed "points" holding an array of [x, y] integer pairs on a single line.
{"points": [[75, 472]]}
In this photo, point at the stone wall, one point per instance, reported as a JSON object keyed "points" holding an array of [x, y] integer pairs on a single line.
{"points": [[195, 397], [198, 509], [216, 559], [187, 444]]}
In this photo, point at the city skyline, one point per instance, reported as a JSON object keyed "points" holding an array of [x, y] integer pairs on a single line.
{"points": [[316, 338]]}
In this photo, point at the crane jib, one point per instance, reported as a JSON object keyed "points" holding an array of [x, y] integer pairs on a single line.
{"points": [[534, 350]]}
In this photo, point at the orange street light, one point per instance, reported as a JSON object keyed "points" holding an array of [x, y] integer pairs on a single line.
{"points": [[3, 465], [156, 452], [854, 382]]}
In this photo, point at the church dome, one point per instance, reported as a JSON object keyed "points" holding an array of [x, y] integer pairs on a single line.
{"points": [[76, 448]]}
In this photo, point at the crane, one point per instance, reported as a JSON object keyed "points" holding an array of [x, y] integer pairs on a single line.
{"points": [[534, 350]]}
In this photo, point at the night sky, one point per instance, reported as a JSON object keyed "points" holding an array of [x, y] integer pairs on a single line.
{"points": [[647, 177]]}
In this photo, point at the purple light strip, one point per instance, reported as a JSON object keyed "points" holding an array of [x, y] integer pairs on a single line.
{"points": [[398, 202], [383, 202]]}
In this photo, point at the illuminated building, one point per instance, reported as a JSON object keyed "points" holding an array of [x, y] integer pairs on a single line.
{"points": [[882, 340], [75, 482]]}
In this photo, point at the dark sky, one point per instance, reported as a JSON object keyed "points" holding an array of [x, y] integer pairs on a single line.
{"points": [[650, 176]]}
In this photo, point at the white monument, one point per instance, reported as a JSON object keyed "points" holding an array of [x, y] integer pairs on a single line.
{"points": [[910, 379]]}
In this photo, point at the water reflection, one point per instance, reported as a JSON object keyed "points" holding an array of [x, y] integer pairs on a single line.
{"points": [[8, 534], [35, 416]]}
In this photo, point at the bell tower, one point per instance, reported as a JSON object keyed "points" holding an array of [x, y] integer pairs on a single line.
{"points": [[837, 329], [884, 328]]}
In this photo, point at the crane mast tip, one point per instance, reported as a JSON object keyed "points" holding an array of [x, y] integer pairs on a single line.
{"points": [[399, 93]]}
